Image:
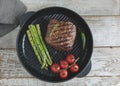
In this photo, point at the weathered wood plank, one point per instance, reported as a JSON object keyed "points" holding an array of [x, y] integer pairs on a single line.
{"points": [[10, 65], [105, 62], [105, 29], [83, 7], [86, 81], [21, 82]]}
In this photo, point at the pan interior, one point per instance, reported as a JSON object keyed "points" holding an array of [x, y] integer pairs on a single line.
{"points": [[29, 60]]}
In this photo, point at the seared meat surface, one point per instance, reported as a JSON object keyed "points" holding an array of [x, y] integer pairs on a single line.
{"points": [[60, 34]]}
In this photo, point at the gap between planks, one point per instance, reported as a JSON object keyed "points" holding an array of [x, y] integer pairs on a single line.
{"points": [[86, 81], [105, 62], [93, 47], [105, 30], [32, 77]]}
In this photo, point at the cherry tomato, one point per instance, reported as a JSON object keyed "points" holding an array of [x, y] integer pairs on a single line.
{"points": [[63, 64], [55, 68], [70, 58], [74, 68], [63, 74]]}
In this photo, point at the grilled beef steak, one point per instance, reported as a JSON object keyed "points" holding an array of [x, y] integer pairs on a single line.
{"points": [[61, 35]]}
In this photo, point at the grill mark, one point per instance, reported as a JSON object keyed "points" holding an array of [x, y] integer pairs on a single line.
{"points": [[49, 16], [62, 40], [65, 47], [59, 34], [64, 18], [61, 17], [61, 22], [59, 26], [65, 35], [70, 29], [62, 44], [55, 16], [62, 37], [58, 17]]}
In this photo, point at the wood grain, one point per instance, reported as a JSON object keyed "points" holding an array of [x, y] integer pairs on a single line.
{"points": [[105, 30], [105, 62], [86, 81], [83, 7], [103, 18]]}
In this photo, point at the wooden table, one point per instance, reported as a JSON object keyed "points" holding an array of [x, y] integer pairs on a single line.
{"points": [[103, 17]]}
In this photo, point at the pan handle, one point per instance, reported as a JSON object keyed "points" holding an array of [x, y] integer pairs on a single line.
{"points": [[86, 70], [25, 17]]}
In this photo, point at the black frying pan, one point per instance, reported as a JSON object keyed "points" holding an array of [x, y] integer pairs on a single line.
{"points": [[42, 17]]}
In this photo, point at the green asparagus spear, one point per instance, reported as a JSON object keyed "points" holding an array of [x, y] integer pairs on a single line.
{"points": [[44, 64], [39, 42], [33, 45], [36, 40], [43, 44], [35, 35]]}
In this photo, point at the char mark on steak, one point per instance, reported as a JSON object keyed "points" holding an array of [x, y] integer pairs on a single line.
{"points": [[60, 34]]}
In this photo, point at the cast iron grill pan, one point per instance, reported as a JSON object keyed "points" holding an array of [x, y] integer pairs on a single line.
{"points": [[42, 17]]}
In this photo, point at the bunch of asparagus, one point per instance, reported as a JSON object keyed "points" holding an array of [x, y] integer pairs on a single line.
{"points": [[38, 45]]}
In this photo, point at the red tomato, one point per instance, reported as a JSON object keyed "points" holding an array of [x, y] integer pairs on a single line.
{"points": [[74, 68], [63, 64], [63, 74], [70, 58], [55, 68]]}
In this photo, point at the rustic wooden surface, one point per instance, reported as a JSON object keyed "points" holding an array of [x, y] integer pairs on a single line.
{"points": [[102, 27], [103, 17]]}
